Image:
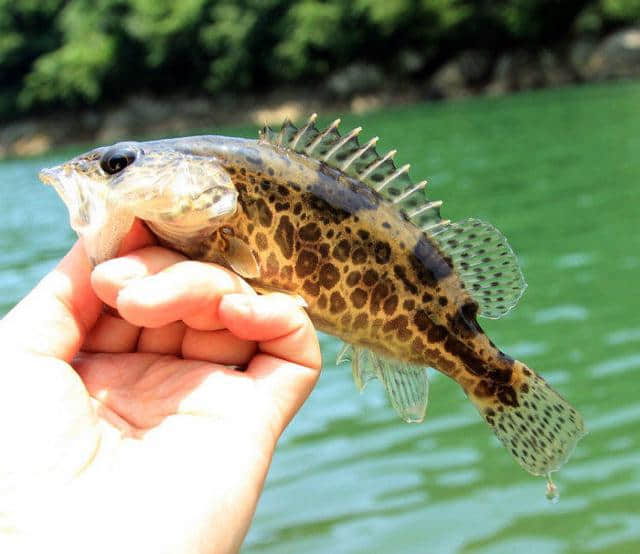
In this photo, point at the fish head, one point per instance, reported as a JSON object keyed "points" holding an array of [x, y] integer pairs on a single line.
{"points": [[105, 189]]}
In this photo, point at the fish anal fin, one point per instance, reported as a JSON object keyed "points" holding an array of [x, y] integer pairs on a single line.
{"points": [[406, 385], [486, 264], [358, 161]]}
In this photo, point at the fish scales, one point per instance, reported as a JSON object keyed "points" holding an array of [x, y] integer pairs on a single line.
{"points": [[366, 272], [349, 254]]}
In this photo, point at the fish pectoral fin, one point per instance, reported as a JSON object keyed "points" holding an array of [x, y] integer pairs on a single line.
{"points": [[486, 264], [240, 258]]}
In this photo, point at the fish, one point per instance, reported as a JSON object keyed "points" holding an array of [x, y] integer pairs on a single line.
{"points": [[327, 219]]}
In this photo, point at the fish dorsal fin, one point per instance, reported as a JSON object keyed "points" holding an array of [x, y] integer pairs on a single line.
{"points": [[361, 162], [486, 264], [406, 385]]}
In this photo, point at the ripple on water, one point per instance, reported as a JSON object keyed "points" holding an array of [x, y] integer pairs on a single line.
{"points": [[523, 544], [366, 484], [437, 526], [574, 260], [615, 529], [459, 478], [615, 366], [524, 349], [623, 335], [612, 418], [567, 312]]}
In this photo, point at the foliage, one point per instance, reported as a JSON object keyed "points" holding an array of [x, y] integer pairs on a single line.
{"points": [[602, 15], [68, 53]]}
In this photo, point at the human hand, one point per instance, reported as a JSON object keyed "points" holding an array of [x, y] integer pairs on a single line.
{"points": [[125, 434]]}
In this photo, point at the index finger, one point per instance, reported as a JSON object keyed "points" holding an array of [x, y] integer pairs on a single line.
{"points": [[154, 287]]}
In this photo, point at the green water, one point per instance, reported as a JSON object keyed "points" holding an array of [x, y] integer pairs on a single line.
{"points": [[559, 173]]}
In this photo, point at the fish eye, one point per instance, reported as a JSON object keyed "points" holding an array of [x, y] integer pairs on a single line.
{"points": [[116, 159]]}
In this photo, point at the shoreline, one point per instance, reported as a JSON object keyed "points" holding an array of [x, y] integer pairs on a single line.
{"points": [[356, 88]]}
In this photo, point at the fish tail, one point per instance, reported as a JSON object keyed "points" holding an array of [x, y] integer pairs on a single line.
{"points": [[537, 425]]}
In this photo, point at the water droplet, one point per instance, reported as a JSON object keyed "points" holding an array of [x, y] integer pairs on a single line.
{"points": [[552, 493]]}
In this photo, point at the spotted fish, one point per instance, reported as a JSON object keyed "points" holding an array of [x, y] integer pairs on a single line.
{"points": [[329, 220]]}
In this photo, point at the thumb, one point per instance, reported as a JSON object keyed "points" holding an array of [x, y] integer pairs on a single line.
{"points": [[55, 317]]}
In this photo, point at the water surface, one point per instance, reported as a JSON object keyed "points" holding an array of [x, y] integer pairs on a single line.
{"points": [[559, 173]]}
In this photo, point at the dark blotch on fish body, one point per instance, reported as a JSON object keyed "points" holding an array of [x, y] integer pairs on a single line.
{"points": [[427, 262], [306, 263], [472, 363], [284, 236], [337, 303], [329, 276], [382, 252], [401, 274], [464, 321], [265, 217], [342, 250], [324, 210], [310, 232], [346, 199]]}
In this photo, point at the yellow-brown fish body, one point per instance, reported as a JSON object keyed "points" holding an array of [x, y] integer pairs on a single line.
{"points": [[367, 274], [404, 295]]}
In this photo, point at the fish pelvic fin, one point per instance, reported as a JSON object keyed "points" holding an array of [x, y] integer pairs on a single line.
{"points": [[534, 423]]}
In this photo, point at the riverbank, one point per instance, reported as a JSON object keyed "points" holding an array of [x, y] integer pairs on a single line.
{"points": [[357, 87]]}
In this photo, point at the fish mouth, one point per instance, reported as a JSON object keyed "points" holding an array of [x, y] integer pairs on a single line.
{"points": [[51, 175], [63, 181], [101, 224]]}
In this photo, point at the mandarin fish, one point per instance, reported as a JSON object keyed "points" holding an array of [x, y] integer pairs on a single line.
{"points": [[325, 218]]}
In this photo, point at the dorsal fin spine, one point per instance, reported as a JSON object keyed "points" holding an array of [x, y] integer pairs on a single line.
{"points": [[280, 136], [425, 207], [354, 133], [435, 228], [319, 138], [389, 155], [359, 153], [360, 162], [303, 130], [404, 169], [420, 186]]}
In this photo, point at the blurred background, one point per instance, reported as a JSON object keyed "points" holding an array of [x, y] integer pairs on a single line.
{"points": [[80, 70], [524, 113]]}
